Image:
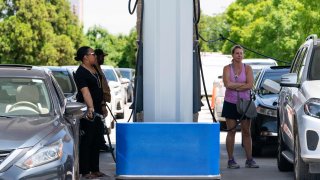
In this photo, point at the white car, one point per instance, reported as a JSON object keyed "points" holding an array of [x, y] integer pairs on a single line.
{"points": [[219, 88], [299, 113], [212, 65], [116, 91]]}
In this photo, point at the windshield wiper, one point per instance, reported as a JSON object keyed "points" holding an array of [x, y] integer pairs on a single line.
{"points": [[2, 116]]}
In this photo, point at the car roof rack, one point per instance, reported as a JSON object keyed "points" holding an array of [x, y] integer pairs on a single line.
{"points": [[16, 66], [314, 37]]}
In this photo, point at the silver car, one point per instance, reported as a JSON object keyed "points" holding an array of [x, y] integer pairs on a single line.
{"points": [[299, 113], [38, 128]]}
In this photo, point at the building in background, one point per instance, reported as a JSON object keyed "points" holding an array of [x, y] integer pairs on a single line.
{"points": [[77, 8]]}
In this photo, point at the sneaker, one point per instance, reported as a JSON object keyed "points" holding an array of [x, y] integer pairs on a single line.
{"points": [[251, 164], [232, 164]]}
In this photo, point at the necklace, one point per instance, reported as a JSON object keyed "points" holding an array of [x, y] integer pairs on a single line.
{"points": [[96, 76]]}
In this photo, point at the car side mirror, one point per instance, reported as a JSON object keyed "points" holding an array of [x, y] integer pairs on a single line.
{"points": [[125, 81], [289, 80], [271, 86], [74, 111]]}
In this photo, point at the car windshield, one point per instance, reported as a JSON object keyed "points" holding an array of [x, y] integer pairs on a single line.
{"points": [[126, 74], [272, 75], [314, 73], [23, 97], [110, 75], [64, 80]]}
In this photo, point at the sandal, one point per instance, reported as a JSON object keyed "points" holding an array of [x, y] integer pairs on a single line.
{"points": [[99, 174], [90, 176]]}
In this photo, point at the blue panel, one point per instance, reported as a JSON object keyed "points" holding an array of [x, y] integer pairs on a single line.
{"points": [[167, 149]]}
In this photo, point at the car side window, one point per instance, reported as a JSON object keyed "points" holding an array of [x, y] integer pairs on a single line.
{"points": [[58, 91], [299, 63], [302, 64], [256, 80], [296, 61]]}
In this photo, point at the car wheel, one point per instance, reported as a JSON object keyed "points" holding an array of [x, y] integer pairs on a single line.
{"points": [[283, 164], [256, 146], [256, 149], [120, 115]]}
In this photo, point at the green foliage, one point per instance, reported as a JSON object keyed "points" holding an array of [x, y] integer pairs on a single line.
{"points": [[272, 27], [121, 49], [38, 32]]}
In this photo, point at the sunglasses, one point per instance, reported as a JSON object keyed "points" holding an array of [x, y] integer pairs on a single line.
{"points": [[91, 54]]}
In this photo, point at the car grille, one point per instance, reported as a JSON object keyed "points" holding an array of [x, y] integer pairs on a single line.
{"points": [[3, 155]]}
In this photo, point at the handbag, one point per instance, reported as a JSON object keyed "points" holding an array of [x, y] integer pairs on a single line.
{"points": [[246, 107]]}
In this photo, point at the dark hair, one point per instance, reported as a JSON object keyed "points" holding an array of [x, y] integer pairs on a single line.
{"points": [[82, 51], [100, 52], [235, 47]]}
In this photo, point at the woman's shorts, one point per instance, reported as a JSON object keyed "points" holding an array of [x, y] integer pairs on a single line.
{"points": [[229, 111]]}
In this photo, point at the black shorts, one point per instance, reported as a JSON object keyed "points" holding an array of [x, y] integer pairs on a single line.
{"points": [[229, 111]]}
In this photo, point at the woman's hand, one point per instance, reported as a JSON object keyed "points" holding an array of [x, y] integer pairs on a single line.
{"points": [[90, 112]]}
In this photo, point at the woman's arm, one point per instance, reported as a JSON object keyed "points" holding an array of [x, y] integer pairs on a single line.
{"points": [[249, 83], [226, 79], [88, 100]]}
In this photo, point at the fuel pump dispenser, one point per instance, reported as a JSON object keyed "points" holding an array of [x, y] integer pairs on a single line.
{"points": [[166, 143]]}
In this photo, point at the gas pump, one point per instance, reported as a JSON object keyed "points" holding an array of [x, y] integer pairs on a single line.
{"points": [[163, 142]]}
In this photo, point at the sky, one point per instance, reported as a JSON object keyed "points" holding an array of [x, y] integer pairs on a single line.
{"points": [[114, 16]]}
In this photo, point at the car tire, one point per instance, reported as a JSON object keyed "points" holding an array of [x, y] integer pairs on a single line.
{"points": [[256, 146], [283, 164], [120, 115], [256, 149]]}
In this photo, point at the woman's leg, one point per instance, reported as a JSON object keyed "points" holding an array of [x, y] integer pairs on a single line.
{"points": [[246, 137], [231, 123], [95, 146], [85, 147]]}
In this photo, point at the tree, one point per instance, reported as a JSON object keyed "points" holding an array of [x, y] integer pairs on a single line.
{"points": [[38, 32], [121, 49], [273, 27]]}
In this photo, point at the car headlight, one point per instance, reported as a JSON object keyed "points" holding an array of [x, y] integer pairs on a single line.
{"points": [[267, 111], [312, 107], [44, 155]]}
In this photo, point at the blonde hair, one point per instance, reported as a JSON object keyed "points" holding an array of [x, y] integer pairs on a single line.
{"points": [[236, 47]]}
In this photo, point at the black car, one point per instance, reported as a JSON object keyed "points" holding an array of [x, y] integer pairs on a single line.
{"points": [[264, 126], [39, 129]]}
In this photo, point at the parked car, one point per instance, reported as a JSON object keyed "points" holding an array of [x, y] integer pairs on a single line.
{"points": [[116, 90], [219, 89], [128, 73], [64, 76], [299, 112], [39, 129], [264, 126], [125, 85], [258, 64], [212, 65]]}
